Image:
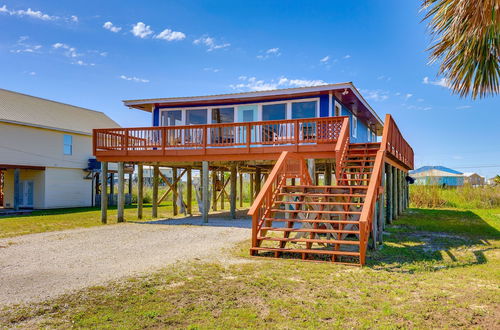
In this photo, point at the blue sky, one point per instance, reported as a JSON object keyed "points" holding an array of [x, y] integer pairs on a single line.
{"points": [[96, 53]]}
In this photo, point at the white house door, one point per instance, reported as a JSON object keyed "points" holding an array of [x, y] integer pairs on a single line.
{"points": [[26, 193]]}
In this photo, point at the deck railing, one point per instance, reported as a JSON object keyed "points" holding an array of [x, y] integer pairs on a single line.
{"points": [[289, 165], [395, 144], [121, 141]]}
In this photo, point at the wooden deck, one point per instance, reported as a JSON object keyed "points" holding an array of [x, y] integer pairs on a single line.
{"points": [[265, 140]]}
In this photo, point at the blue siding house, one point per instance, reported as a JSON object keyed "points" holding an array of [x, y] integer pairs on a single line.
{"points": [[437, 175]]}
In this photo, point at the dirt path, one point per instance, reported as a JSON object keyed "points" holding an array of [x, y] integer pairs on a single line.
{"points": [[40, 266]]}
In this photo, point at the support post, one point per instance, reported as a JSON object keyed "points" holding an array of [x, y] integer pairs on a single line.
{"points": [[389, 194], [204, 184], [381, 209], [223, 181], [156, 179], [104, 193], [257, 180], [402, 193], [174, 191], [17, 190], [112, 189], [189, 191], [395, 193], [140, 190], [311, 167], [252, 185], [241, 190], [214, 190], [121, 192], [328, 174], [232, 199]]}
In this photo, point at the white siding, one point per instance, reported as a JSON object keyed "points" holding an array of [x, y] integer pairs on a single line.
{"points": [[66, 187], [24, 145]]}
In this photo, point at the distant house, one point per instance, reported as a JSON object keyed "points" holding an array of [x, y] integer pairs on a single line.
{"points": [[474, 179], [44, 148], [437, 175]]}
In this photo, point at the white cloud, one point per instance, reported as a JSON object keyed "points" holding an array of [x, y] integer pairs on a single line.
{"points": [[377, 95], [69, 51], [420, 100], [325, 59], [111, 27], [170, 35], [210, 43], [463, 107], [253, 84], [36, 14], [141, 30], [271, 52], [82, 63], [22, 46], [32, 73], [134, 79], [346, 57], [211, 69], [382, 77], [407, 96], [443, 82]]}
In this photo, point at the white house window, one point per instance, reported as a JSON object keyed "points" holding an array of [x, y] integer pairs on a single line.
{"points": [[354, 127], [222, 115], [304, 109], [196, 117], [274, 111], [68, 144], [172, 118], [369, 133]]}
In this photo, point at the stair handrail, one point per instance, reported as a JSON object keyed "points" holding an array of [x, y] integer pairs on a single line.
{"points": [[265, 199], [341, 148], [395, 143]]}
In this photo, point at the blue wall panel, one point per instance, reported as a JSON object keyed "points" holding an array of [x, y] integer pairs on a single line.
{"points": [[156, 116], [323, 105], [362, 133]]}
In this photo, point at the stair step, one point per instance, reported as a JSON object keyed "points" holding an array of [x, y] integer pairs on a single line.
{"points": [[339, 222], [308, 240], [313, 211], [318, 187], [311, 230], [315, 251], [320, 195], [358, 166], [316, 203]]}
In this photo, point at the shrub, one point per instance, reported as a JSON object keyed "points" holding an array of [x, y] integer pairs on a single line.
{"points": [[460, 197]]}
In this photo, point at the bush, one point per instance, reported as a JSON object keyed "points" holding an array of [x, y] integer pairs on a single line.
{"points": [[460, 197]]}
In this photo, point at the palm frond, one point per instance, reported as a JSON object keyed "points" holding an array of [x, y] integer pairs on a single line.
{"points": [[466, 40]]}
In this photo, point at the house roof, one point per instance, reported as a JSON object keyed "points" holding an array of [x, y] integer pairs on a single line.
{"points": [[22, 109], [435, 169], [467, 174], [347, 93]]}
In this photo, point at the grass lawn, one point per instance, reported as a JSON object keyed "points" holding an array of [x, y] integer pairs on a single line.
{"points": [[438, 268]]}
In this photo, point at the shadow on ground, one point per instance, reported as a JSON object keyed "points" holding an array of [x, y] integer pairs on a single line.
{"points": [[435, 239]]}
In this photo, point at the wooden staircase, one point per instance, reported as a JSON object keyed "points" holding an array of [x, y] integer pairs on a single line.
{"points": [[320, 222]]}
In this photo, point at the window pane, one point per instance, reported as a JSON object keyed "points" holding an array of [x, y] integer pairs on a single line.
{"points": [[172, 118], [303, 110], [223, 115], [247, 115], [196, 117], [67, 149], [68, 139], [274, 111]]}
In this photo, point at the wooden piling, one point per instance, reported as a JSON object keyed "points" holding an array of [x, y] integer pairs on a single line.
{"points": [[204, 184], [214, 190], [156, 179], [140, 190], [189, 183], [104, 192], [252, 186], [121, 192], [241, 190], [257, 180], [174, 191], [389, 195], [232, 193], [328, 174]]}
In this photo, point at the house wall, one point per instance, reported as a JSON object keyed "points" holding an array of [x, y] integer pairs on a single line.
{"points": [[25, 145], [324, 111], [66, 187], [452, 181]]}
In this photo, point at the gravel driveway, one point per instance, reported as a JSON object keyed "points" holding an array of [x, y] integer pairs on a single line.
{"points": [[40, 266]]}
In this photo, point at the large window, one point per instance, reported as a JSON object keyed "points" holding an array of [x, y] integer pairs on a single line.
{"points": [[196, 117], [68, 144], [354, 128], [303, 110], [274, 111], [172, 118], [222, 115], [247, 115]]}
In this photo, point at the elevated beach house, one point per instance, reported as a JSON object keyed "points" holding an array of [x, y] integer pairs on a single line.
{"points": [[438, 175], [44, 148], [326, 172]]}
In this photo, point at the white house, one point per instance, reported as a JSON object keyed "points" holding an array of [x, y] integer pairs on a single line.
{"points": [[44, 148]]}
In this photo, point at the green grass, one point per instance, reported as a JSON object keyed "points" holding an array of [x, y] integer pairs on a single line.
{"points": [[465, 197], [437, 269]]}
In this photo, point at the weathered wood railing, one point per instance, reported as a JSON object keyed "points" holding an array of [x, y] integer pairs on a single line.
{"points": [[392, 143], [121, 141], [289, 165], [341, 149]]}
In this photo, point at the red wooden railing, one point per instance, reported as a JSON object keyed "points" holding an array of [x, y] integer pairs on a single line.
{"points": [[120, 141], [341, 149], [392, 143], [289, 165], [395, 144]]}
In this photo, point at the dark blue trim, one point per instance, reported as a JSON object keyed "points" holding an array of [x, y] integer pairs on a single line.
{"points": [[156, 116], [323, 105]]}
